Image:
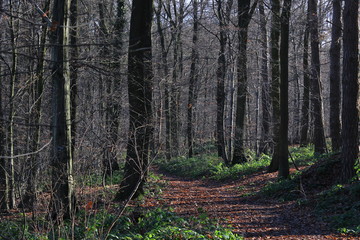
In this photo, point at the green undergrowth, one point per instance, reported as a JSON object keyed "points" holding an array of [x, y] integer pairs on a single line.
{"points": [[317, 187], [210, 166], [151, 224], [340, 206]]}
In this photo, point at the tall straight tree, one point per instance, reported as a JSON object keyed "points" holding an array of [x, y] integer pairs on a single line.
{"points": [[265, 88], [284, 86], [350, 90], [306, 93], [245, 12], [30, 196], [3, 175], [193, 79], [63, 198], [165, 69], [335, 93], [220, 76], [316, 98], [140, 97], [275, 79]]}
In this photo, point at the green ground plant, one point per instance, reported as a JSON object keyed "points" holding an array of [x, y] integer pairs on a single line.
{"points": [[152, 224]]}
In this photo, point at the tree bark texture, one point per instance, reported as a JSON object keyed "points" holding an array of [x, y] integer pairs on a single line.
{"points": [[140, 98], [245, 12], [265, 86], [284, 95], [220, 87], [275, 80], [335, 80], [193, 80], [62, 202], [305, 108], [316, 98], [350, 90]]}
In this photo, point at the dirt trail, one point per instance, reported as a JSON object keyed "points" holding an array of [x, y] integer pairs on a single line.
{"points": [[252, 217]]}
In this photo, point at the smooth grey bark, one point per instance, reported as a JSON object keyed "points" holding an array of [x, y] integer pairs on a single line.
{"points": [[350, 90]]}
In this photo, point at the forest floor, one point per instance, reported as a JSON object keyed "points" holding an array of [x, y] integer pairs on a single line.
{"points": [[235, 204]]}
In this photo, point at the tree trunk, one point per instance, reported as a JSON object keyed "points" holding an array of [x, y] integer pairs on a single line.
{"points": [[193, 80], [165, 68], [265, 87], [284, 86], [140, 97], [350, 90], [30, 196], [3, 175], [335, 93], [62, 201], [275, 81], [305, 108], [220, 89], [316, 98], [244, 16]]}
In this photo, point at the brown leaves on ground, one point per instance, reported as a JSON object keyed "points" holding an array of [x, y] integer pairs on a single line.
{"points": [[252, 216]]}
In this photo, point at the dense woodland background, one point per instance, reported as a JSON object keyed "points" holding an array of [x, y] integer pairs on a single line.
{"points": [[92, 87]]}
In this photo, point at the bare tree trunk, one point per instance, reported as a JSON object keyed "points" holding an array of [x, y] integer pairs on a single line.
{"points": [[265, 86], [316, 98], [62, 201], [140, 98], [3, 175], [245, 13], [10, 140], [335, 92], [193, 80], [275, 81], [350, 90], [284, 87], [220, 90], [165, 68], [30, 196], [305, 108]]}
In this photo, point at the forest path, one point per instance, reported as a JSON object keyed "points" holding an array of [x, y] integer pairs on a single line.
{"points": [[251, 216]]}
